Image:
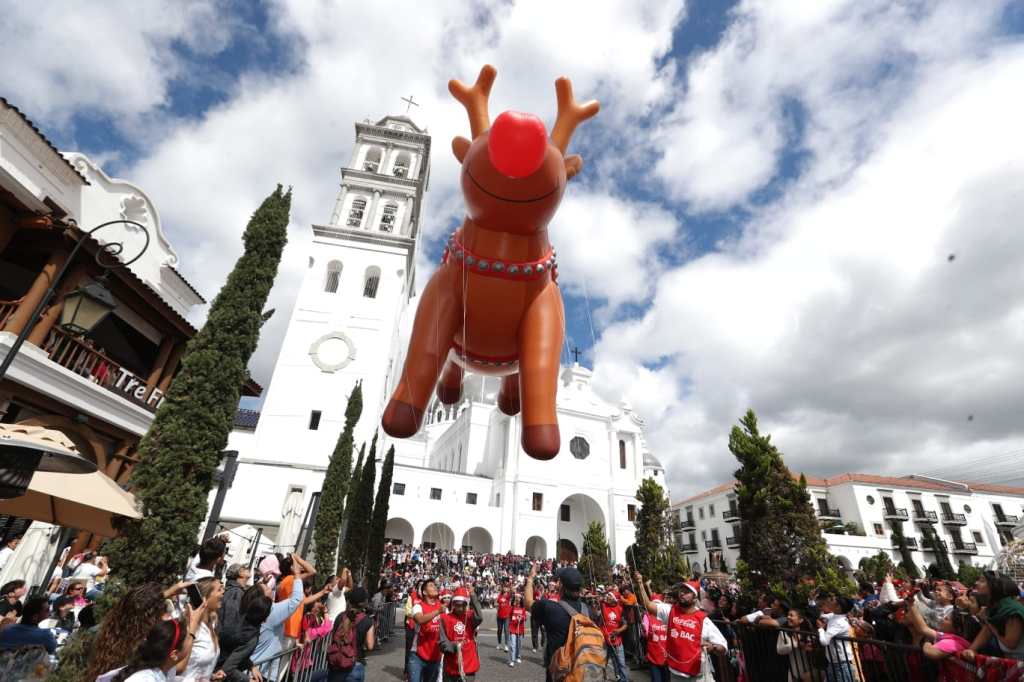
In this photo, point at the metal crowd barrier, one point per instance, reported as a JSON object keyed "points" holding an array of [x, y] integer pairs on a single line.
{"points": [[757, 658], [276, 668], [384, 621]]}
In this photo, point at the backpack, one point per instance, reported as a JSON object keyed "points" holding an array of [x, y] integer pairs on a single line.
{"points": [[583, 657], [343, 651]]}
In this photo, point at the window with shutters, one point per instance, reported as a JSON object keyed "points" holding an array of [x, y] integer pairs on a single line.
{"points": [[387, 221], [631, 512], [314, 420], [371, 281], [435, 493], [470, 498], [398, 489], [565, 513], [333, 277], [538, 501], [622, 454], [355, 214]]}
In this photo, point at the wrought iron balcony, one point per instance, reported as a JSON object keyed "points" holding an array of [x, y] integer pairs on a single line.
{"points": [[731, 514], [911, 542], [965, 548], [895, 514], [713, 544], [687, 524], [925, 516], [954, 519], [928, 547], [732, 541], [689, 548], [1007, 520], [829, 514]]}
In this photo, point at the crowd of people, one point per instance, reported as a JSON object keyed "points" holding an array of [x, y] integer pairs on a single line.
{"points": [[230, 622]]}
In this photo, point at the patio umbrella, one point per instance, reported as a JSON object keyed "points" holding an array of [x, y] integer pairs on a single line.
{"points": [[88, 502]]}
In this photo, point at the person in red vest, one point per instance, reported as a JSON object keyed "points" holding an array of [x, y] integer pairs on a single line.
{"points": [[425, 653], [690, 631], [504, 611], [657, 639], [516, 630], [410, 626], [458, 637], [613, 625]]}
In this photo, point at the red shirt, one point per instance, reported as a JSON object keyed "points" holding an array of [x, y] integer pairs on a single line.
{"points": [[428, 635], [657, 637], [461, 630], [684, 645], [611, 617], [517, 621], [504, 605]]}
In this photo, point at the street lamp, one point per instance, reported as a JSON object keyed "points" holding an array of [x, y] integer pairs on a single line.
{"points": [[86, 307]]}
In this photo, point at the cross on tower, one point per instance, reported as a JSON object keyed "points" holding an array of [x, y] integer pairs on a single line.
{"points": [[409, 102], [576, 354]]}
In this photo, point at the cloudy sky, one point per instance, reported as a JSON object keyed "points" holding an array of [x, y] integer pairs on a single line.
{"points": [[810, 208]]}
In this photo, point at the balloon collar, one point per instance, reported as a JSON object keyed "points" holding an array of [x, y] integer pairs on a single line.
{"points": [[514, 270]]}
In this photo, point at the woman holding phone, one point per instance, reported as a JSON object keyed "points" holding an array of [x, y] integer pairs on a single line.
{"points": [[199, 665]]}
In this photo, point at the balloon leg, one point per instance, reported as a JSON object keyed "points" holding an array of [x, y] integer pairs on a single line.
{"points": [[449, 389], [540, 346], [508, 396]]}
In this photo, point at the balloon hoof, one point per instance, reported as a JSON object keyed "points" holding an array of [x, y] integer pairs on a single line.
{"points": [[449, 395], [401, 420], [541, 441], [508, 405]]}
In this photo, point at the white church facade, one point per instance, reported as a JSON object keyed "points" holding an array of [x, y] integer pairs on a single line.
{"points": [[463, 480]]}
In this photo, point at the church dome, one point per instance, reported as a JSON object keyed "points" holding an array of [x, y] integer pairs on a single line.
{"points": [[651, 462]]}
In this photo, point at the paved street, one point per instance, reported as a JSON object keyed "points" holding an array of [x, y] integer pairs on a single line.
{"points": [[387, 663]]}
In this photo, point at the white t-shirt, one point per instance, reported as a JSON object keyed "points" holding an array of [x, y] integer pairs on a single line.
{"points": [[5, 556], [203, 659], [336, 603], [148, 675], [89, 571], [709, 632], [195, 573]]}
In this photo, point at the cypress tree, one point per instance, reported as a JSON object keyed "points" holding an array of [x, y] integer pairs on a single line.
{"points": [[907, 558], [780, 539], [181, 450], [594, 562], [651, 530], [943, 567], [360, 514], [335, 488], [375, 549]]}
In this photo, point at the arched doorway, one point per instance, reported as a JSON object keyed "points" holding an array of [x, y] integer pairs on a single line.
{"points": [[567, 551], [477, 540], [438, 535], [399, 530], [575, 514], [537, 548]]}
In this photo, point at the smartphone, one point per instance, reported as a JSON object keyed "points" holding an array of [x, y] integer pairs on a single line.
{"points": [[195, 597]]}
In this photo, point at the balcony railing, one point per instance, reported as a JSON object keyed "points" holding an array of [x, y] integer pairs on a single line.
{"points": [[7, 309], [1007, 520], [895, 514], [923, 516], [954, 519], [689, 548], [965, 548], [687, 524], [731, 514], [827, 513], [732, 541], [82, 358], [928, 548], [713, 544], [911, 542]]}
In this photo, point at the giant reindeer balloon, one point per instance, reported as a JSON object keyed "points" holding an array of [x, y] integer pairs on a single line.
{"points": [[493, 306]]}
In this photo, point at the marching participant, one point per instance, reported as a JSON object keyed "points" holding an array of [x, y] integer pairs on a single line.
{"points": [[690, 631], [425, 653], [458, 637]]}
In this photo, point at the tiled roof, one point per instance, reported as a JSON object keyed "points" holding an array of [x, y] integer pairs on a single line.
{"points": [[195, 291], [246, 419], [872, 479], [32, 125]]}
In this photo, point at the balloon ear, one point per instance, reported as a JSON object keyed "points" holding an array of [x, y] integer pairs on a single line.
{"points": [[573, 165], [460, 146]]}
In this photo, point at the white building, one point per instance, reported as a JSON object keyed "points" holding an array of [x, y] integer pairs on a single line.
{"points": [[975, 521], [463, 480]]}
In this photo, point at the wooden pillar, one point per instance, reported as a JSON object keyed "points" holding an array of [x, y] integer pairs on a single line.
{"points": [[19, 319], [172, 365], [116, 459], [162, 356], [52, 313], [81, 542]]}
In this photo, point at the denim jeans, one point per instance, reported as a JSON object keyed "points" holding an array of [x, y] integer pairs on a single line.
{"points": [[502, 630], [514, 642], [422, 671], [618, 658], [659, 673], [839, 672], [357, 673]]}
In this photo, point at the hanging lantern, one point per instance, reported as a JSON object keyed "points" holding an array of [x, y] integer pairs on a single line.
{"points": [[86, 307]]}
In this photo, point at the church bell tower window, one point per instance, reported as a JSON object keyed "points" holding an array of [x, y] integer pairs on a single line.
{"points": [[333, 277], [371, 282], [387, 221], [355, 214]]}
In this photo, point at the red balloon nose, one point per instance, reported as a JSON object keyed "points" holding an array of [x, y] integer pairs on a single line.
{"points": [[517, 144]]}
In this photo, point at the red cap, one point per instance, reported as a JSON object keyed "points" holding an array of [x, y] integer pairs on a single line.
{"points": [[461, 594]]}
